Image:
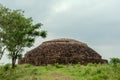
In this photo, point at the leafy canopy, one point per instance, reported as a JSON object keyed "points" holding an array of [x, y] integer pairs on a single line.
{"points": [[17, 31]]}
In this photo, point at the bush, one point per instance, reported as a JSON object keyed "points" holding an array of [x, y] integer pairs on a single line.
{"points": [[27, 65], [58, 65], [49, 67], [115, 61], [6, 67]]}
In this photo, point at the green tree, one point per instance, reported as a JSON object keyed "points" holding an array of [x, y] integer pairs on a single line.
{"points": [[17, 32], [115, 61], [2, 49]]}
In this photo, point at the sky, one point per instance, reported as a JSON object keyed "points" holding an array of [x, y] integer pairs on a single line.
{"points": [[95, 22]]}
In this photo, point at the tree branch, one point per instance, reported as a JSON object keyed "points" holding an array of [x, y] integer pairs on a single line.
{"points": [[1, 54]]}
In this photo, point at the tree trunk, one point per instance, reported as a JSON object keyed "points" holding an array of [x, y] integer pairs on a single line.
{"points": [[13, 62]]}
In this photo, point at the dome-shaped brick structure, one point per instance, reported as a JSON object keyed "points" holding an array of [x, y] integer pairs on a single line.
{"points": [[62, 51]]}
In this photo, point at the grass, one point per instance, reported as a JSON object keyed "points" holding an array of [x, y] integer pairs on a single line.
{"points": [[61, 72]]}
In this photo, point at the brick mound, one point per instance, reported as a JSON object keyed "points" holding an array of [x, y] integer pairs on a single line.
{"points": [[62, 51]]}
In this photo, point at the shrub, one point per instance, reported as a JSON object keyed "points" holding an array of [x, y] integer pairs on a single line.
{"points": [[58, 65], [27, 65], [6, 67], [49, 67], [115, 61]]}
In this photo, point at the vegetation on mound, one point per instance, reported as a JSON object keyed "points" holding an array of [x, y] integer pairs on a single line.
{"points": [[61, 72]]}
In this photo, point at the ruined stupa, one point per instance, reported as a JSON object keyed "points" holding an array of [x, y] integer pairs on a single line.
{"points": [[62, 51]]}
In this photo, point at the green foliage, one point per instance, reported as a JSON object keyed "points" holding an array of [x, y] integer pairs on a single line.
{"points": [[67, 72], [17, 32], [6, 67], [19, 56], [115, 61], [27, 65], [49, 67], [58, 65]]}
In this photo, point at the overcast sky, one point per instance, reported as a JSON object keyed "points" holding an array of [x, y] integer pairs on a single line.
{"points": [[95, 22]]}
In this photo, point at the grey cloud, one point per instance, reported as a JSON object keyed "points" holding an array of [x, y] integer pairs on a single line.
{"points": [[87, 19], [96, 22]]}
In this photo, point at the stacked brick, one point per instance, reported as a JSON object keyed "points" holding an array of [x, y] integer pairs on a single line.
{"points": [[62, 51]]}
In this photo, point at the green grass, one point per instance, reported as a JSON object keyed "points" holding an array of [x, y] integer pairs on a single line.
{"points": [[61, 72]]}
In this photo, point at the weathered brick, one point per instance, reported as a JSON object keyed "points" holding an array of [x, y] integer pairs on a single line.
{"points": [[63, 51]]}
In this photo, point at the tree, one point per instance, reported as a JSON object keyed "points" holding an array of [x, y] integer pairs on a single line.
{"points": [[17, 32], [2, 49], [115, 61]]}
